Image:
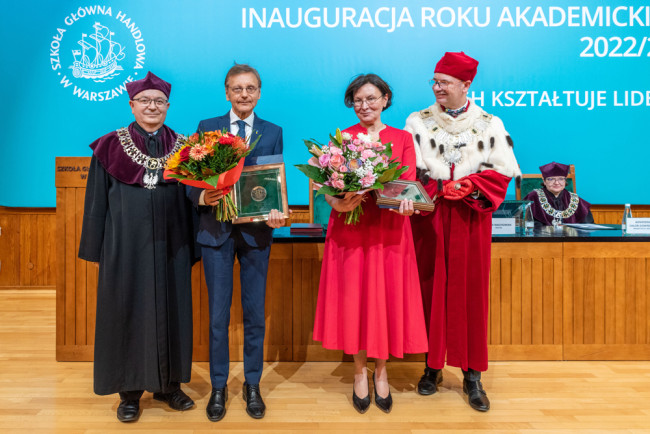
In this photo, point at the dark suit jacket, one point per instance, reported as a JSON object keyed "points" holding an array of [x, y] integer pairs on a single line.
{"points": [[214, 233]]}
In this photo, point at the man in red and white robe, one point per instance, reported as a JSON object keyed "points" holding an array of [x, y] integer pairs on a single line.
{"points": [[465, 158]]}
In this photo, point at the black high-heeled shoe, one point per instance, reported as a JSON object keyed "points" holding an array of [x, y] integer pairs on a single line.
{"points": [[384, 404], [360, 404]]}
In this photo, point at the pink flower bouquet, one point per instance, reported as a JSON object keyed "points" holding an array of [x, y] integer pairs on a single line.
{"points": [[349, 163]]}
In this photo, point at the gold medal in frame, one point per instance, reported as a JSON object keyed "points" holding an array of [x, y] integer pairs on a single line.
{"points": [[259, 190]]}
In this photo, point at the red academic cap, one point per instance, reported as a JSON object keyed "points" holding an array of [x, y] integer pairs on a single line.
{"points": [[554, 169], [151, 81], [458, 65]]}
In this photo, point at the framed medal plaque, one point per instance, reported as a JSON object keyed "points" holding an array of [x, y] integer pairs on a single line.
{"points": [[259, 190], [396, 191]]}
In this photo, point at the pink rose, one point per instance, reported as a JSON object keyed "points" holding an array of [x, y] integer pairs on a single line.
{"points": [[336, 161], [324, 160], [367, 154], [352, 148], [335, 150], [343, 168]]}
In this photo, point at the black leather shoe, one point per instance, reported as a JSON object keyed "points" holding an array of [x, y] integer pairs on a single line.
{"points": [[254, 404], [428, 384], [476, 396], [177, 400], [216, 408], [128, 411], [360, 404], [384, 404]]}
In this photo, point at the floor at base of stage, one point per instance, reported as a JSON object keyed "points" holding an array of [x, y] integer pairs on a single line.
{"points": [[38, 394]]}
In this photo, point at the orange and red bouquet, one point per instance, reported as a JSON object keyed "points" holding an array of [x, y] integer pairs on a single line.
{"points": [[211, 160]]}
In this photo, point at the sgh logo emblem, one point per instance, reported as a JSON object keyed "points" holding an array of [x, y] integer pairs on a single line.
{"points": [[95, 52]]}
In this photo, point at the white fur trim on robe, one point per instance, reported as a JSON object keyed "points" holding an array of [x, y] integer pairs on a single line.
{"points": [[475, 128]]}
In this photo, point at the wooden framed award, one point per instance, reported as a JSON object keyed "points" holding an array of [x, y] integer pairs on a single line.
{"points": [[259, 190], [396, 191]]}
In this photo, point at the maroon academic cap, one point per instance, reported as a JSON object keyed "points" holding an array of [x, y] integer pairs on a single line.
{"points": [[151, 81], [458, 65], [554, 169]]}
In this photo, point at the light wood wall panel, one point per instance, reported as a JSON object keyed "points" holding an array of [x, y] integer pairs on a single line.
{"points": [[613, 214], [27, 247], [606, 296], [525, 319]]}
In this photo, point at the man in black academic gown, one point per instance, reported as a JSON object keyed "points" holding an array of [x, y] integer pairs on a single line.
{"points": [[138, 228]]}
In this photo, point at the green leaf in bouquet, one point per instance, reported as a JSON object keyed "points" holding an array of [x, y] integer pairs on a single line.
{"points": [[326, 189], [212, 180], [387, 176], [312, 172], [336, 141], [389, 149], [175, 175], [311, 142], [400, 171]]}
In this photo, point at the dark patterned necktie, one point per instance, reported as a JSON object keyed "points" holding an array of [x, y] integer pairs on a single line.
{"points": [[242, 129]]}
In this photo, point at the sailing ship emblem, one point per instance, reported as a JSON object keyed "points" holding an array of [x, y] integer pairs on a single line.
{"points": [[98, 57]]}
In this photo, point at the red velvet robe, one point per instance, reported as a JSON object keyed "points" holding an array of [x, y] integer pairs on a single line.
{"points": [[453, 246]]}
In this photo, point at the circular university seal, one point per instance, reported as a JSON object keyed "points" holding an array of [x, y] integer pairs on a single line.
{"points": [[258, 194], [95, 51]]}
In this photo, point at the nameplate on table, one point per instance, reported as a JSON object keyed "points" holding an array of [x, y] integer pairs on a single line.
{"points": [[505, 226], [638, 226]]}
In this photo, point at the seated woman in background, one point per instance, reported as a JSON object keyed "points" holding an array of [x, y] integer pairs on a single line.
{"points": [[553, 204]]}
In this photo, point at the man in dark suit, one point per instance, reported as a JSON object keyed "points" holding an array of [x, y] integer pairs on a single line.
{"points": [[251, 242]]}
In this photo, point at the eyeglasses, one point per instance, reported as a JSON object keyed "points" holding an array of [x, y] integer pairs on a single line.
{"points": [[371, 100], [146, 101], [442, 83], [249, 89], [559, 179]]}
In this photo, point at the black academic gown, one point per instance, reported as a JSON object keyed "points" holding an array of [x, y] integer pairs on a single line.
{"points": [[143, 241]]}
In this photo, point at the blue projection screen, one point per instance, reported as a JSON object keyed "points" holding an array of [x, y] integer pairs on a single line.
{"points": [[569, 79]]}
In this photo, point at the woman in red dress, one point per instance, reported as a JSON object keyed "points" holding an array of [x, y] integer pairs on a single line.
{"points": [[369, 301]]}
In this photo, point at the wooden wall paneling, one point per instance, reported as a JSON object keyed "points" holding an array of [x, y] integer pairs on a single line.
{"points": [[613, 214], [516, 300], [599, 301], [307, 260], [60, 271], [70, 259], [278, 343], [578, 300], [494, 317], [9, 250], [641, 316], [548, 302], [610, 307], [506, 301], [81, 266], [607, 285], [537, 298], [526, 301]]}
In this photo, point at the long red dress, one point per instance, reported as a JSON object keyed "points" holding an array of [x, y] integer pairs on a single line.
{"points": [[369, 294]]}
